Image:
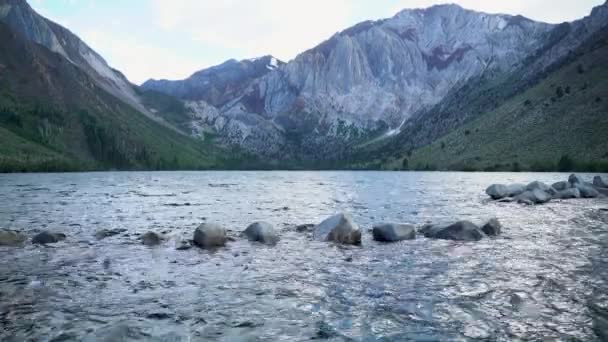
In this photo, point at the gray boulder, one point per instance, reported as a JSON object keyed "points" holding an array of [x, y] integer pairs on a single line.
{"points": [[151, 239], [541, 186], [11, 238], [497, 191], [587, 190], [515, 190], [209, 235], [560, 186], [492, 227], [47, 237], [575, 179], [339, 228], [535, 196], [262, 232], [390, 232], [568, 193], [459, 231], [599, 182]]}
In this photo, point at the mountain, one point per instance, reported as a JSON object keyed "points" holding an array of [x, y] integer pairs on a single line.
{"points": [[363, 82], [63, 108], [568, 45]]}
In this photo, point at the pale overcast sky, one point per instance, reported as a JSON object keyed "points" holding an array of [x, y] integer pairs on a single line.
{"points": [[173, 38]]}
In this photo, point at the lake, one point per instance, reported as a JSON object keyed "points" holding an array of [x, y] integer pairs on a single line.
{"points": [[544, 277]]}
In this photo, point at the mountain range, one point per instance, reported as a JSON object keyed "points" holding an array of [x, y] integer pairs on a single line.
{"points": [[435, 88]]}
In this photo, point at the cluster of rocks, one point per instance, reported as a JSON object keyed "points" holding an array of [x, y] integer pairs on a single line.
{"points": [[539, 192]]}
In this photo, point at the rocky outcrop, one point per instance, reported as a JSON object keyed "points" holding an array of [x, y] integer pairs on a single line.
{"points": [[587, 190], [459, 231], [392, 232], [262, 232], [560, 186], [11, 238], [497, 191], [209, 235], [339, 228], [46, 237], [535, 196], [568, 193]]}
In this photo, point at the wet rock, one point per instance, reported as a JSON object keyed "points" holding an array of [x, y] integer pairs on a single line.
{"points": [[492, 227], [151, 239], [515, 190], [497, 191], [390, 232], [459, 231], [575, 179], [599, 182], [105, 233], [183, 245], [11, 238], [587, 191], [47, 237], [535, 196], [209, 235], [560, 186], [568, 193], [541, 186], [262, 232], [339, 228]]}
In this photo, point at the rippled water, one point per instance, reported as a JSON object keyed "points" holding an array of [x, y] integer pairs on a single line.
{"points": [[545, 277]]}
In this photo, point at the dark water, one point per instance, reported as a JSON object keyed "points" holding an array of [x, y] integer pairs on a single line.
{"points": [[545, 277]]}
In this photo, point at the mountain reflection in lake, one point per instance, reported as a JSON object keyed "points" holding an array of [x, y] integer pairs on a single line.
{"points": [[544, 277]]}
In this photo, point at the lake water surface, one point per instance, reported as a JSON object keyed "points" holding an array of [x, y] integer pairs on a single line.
{"points": [[544, 277]]}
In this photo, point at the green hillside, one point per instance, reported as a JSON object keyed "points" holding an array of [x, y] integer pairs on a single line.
{"points": [[54, 117]]}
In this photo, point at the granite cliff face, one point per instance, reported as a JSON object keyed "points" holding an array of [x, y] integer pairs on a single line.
{"points": [[364, 81]]}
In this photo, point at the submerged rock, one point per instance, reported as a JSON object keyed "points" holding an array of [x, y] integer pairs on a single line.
{"points": [[535, 196], [209, 235], [391, 232], [492, 227], [568, 193], [599, 182], [497, 191], [151, 239], [459, 231], [339, 228], [262, 232], [11, 238], [47, 237], [104, 233]]}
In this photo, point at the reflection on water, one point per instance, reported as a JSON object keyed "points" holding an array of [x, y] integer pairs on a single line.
{"points": [[545, 277]]}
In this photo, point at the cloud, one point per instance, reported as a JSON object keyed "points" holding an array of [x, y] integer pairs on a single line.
{"points": [[278, 27]]}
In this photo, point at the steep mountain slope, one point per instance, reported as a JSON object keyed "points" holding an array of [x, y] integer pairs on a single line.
{"points": [[55, 116], [364, 81], [562, 115]]}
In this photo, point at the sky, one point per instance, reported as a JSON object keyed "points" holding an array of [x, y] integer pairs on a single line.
{"points": [[171, 39]]}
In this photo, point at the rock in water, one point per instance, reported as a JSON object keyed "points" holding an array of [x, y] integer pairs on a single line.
{"points": [[535, 196], [104, 233], [47, 237], [515, 190], [339, 228], [459, 231], [497, 191], [575, 179], [151, 239], [209, 235], [599, 182], [587, 191], [568, 193], [11, 238], [262, 232], [492, 227], [559, 186], [541, 186], [390, 232]]}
